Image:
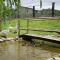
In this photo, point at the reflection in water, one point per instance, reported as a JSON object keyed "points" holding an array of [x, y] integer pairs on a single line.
{"points": [[15, 51], [3, 48]]}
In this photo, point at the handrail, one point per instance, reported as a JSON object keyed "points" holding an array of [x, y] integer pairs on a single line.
{"points": [[42, 30]]}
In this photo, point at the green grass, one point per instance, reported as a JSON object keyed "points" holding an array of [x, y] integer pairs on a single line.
{"points": [[43, 24], [47, 24]]}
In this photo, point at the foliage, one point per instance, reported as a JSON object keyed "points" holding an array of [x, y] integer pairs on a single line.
{"points": [[7, 9]]}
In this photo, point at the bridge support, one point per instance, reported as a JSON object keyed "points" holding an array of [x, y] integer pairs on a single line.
{"points": [[28, 38]]}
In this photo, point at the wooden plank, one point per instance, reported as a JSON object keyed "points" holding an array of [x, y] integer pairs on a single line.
{"points": [[42, 30], [42, 18], [43, 37]]}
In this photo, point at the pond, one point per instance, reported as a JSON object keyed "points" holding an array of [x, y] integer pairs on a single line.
{"points": [[15, 50]]}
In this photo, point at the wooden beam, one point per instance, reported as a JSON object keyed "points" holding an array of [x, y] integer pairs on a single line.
{"points": [[53, 6], [41, 37], [42, 30]]}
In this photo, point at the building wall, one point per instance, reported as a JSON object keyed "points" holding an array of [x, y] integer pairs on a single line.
{"points": [[26, 12]]}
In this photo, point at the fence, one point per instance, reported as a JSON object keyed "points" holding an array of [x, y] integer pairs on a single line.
{"points": [[33, 21]]}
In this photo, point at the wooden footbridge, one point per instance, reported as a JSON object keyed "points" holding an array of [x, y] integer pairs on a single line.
{"points": [[48, 38], [31, 37]]}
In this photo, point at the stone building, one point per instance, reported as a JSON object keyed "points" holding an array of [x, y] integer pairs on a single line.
{"points": [[26, 12]]}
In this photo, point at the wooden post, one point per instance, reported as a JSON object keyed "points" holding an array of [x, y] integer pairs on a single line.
{"points": [[18, 27], [18, 8], [33, 11], [27, 21], [53, 6], [27, 26], [0, 25]]}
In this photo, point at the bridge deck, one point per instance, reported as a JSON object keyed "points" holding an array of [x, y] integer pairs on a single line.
{"points": [[42, 37]]}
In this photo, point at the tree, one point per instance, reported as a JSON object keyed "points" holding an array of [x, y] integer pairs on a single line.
{"points": [[6, 9], [1, 13]]}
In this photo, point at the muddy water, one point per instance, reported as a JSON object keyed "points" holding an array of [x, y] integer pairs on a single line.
{"points": [[14, 50]]}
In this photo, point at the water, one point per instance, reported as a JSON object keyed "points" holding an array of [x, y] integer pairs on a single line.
{"points": [[15, 50]]}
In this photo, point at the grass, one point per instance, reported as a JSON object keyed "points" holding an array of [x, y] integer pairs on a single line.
{"points": [[42, 24]]}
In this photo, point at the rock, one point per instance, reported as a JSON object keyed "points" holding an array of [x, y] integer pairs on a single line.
{"points": [[54, 58], [1, 40]]}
